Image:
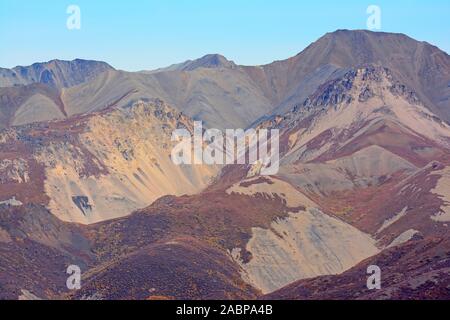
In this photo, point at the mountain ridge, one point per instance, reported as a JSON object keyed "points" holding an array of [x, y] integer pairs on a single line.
{"points": [[55, 73], [223, 94]]}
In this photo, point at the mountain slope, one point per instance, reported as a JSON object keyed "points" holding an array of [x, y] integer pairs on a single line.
{"points": [[418, 270], [418, 65], [221, 97], [364, 147], [35, 101], [223, 94], [99, 166], [35, 250], [367, 153], [182, 268], [226, 95]]}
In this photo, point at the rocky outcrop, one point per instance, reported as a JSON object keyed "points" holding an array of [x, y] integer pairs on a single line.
{"points": [[120, 162], [14, 170], [101, 166]]}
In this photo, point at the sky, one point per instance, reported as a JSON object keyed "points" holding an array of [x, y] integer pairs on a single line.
{"points": [[147, 34]]}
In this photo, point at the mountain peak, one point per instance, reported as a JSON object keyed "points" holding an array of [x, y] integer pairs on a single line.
{"points": [[211, 61], [416, 64], [374, 40], [349, 32]]}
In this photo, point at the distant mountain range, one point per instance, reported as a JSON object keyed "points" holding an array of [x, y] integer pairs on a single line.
{"points": [[221, 93], [86, 177], [55, 73]]}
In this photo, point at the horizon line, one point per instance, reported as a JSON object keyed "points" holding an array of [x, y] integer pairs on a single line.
{"points": [[220, 54]]}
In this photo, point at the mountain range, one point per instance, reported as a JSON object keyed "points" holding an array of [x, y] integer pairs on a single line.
{"points": [[86, 176]]}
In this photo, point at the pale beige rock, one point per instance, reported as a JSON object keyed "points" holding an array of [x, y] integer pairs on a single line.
{"points": [[305, 245], [403, 238], [11, 202], [442, 189], [134, 146], [388, 222], [277, 187]]}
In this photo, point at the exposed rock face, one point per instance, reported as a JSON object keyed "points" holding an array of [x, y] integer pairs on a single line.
{"points": [[14, 170], [303, 245], [341, 112], [363, 148], [417, 270], [417, 65], [442, 189], [339, 90], [106, 165], [337, 146], [123, 163], [82, 203]]}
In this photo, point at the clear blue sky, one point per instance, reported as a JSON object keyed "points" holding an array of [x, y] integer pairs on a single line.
{"points": [[147, 34]]}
